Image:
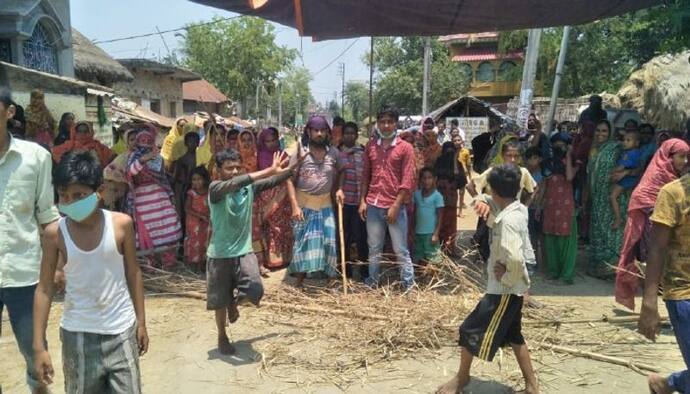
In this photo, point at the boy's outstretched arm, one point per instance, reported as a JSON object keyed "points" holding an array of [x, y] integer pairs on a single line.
{"points": [[42, 302], [220, 189], [280, 174], [135, 283]]}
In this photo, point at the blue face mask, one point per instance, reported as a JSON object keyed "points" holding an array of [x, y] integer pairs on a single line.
{"points": [[81, 209]]}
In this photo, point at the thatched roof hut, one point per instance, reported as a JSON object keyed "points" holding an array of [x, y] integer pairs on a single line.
{"points": [[92, 64]]}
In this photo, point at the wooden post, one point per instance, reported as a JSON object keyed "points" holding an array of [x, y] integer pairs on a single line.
{"points": [[342, 246]]}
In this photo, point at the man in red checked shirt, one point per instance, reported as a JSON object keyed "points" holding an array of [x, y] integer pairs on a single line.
{"points": [[387, 179]]}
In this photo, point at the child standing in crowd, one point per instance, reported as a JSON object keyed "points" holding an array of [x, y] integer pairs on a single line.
{"points": [[630, 159], [354, 228], [197, 219], [560, 226], [103, 326], [497, 319], [450, 176], [535, 212], [465, 161], [428, 205], [231, 263]]}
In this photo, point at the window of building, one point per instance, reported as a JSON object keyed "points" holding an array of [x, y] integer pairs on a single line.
{"points": [[39, 51], [466, 70], [508, 71], [486, 72], [5, 51], [173, 109], [156, 106]]}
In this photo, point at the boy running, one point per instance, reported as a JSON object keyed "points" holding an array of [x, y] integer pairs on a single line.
{"points": [[103, 327], [497, 319], [231, 263]]}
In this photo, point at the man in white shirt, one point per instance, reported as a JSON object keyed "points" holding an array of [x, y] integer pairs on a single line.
{"points": [[26, 201]]}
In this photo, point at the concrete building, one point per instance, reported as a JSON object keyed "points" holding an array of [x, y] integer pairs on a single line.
{"points": [[156, 86], [37, 34], [495, 76]]}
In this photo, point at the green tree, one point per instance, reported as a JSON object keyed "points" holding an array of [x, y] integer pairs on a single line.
{"points": [[602, 54], [399, 63], [357, 99], [295, 92], [236, 55]]}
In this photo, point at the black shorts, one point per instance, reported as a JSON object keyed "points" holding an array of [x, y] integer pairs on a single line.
{"points": [[233, 280], [495, 322]]}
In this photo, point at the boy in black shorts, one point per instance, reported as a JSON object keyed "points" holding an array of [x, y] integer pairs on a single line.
{"points": [[497, 319]]}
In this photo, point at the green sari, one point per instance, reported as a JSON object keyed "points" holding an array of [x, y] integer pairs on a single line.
{"points": [[605, 243]]}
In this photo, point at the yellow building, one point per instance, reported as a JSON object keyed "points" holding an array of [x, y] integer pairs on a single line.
{"points": [[495, 77]]}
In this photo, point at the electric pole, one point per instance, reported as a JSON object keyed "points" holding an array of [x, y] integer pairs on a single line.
{"points": [[528, 73], [256, 109], [341, 72], [557, 79], [280, 104], [371, 83], [427, 72]]}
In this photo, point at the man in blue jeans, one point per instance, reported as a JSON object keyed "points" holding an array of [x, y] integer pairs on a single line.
{"points": [[669, 258], [26, 201], [387, 181]]}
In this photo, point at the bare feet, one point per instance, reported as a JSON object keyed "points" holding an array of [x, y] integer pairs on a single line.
{"points": [[658, 384], [453, 386], [530, 389], [233, 313], [224, 346], [264, 272]]}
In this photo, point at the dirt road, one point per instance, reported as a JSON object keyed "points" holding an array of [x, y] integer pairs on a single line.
{"points": [[183, 357]]}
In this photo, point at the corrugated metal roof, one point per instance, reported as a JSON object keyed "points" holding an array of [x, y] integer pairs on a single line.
{"points": [[202, 91], [485, 54]]}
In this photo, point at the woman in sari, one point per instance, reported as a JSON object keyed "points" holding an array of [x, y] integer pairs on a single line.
{"points": [[605, 243], [64, 128], [157, 224], [40, 125], [274, 209], [82, 139], [248, 151], [173, 145], [432, 149], [449, 173], [115, 175], [667, 165]]}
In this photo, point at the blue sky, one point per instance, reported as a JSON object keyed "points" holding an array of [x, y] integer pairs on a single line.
{"points": [[104, 20]]}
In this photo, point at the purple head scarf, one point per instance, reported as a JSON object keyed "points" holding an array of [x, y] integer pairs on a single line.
{"points": [[317, 122]]}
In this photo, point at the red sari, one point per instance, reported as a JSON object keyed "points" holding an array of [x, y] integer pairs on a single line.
{"points": [[198, 228]]}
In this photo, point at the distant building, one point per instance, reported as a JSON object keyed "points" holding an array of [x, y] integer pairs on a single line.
{"points": [[202, 96], [495, 77], [156, 86], [37, 34]]}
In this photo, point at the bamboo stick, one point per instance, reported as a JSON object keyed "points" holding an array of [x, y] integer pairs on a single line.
{"points": [[603, 319], [604, 358], [342, 246]]}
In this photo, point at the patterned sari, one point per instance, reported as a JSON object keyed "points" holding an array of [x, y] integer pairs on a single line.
{"points": [[605, 243]]}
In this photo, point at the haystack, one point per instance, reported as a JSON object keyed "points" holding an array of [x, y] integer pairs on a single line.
{"points": [[92, 64], [659, 91]]}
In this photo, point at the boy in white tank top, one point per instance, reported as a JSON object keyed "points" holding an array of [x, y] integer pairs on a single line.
{"points": [[103, 327]]}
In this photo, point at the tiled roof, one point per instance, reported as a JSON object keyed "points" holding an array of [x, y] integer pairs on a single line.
{"points": [[202, 91], [484, 54]]}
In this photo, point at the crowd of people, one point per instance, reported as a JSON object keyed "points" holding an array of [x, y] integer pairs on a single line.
{"points": [[234, 204]]}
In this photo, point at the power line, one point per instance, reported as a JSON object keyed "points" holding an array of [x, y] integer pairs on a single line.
{"points": [[167, 31], [336, 58]]}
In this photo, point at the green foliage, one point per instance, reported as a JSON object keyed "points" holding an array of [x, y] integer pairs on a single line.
{"points": [[399, 63], [602, 54], [295, 92], [235, 55], [357, 99]]}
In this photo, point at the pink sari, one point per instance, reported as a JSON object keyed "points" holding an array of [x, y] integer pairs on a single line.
{"points": [[274, 214], [659, 173]]}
